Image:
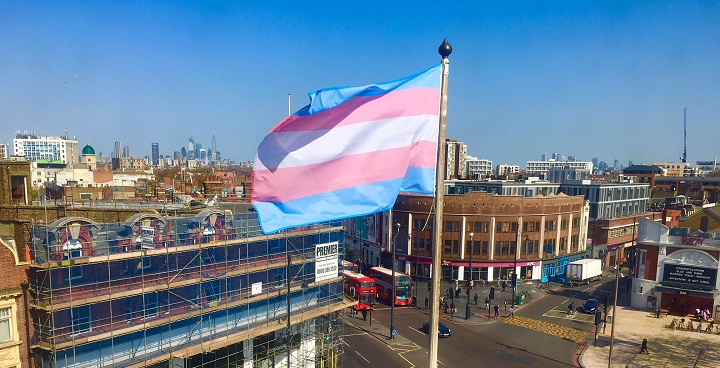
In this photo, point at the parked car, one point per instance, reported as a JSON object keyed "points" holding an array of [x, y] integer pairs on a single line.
{"points": [[590, 306], [443, 331]]}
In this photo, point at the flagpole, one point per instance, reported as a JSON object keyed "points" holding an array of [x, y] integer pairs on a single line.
{"points": [[289, 113], [444, 50]]}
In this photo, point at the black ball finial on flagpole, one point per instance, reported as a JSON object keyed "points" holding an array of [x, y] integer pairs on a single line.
{"points": [[445, 49]]}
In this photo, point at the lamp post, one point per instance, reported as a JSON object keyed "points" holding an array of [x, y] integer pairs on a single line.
{"points": [[513, 283], [392, 270], [467, 306]]}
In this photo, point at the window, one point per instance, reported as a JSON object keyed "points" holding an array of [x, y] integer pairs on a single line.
{"points": [[150, 301], [549, 225], [80, 319], [484, 249], [563, 243], [576, 222], [74, 272], [6, 324], [448, 246], [456, 250], [564, 224], [448, 226]]}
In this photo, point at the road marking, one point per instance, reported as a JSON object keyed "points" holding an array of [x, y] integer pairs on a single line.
{"points": [[418, 331], [548, 328], [438, 359], [356, 334], [361, 356]]}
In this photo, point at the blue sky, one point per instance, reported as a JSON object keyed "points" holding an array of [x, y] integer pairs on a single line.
{"points": [[606, 79]]}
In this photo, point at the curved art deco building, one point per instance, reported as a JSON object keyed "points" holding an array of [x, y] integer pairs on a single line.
{"points": [[492, 236]]}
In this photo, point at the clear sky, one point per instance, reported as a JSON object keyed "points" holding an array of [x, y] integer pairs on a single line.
{"points": [[606, 79]]}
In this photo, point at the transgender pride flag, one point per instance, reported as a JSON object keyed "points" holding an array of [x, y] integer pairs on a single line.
{"points": [[349, 153]]}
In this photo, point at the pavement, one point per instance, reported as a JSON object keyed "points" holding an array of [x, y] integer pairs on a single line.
{"points": [[668, 348]]}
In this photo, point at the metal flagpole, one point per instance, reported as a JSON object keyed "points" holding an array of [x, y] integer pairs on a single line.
{"points": [[444, 50]]}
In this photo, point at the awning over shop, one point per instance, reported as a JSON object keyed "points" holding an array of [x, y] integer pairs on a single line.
{"points": [[681, 291]]}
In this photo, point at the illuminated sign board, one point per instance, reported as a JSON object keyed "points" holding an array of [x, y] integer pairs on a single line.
{"points": [[692, 277]]}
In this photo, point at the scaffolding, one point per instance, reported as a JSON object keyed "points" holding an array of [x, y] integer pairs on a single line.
{"points": [[207, 290]]}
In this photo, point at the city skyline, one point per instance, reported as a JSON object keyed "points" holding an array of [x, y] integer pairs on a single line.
{"points": [[593, 79]]}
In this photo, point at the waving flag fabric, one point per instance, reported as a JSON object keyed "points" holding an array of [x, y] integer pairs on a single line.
{"points": [[349, 153]]}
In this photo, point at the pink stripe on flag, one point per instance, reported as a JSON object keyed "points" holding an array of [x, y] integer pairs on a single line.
{"points": [[424, 155], [406, 102], [286, 184]]}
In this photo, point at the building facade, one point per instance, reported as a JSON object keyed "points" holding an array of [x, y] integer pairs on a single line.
{"points": [[51, 149], [477, 168], [534, 238], [541, 168], [455, 152], [204, 290], [677, 273]]}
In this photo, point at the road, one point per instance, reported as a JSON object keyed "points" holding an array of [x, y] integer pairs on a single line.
{"points": [[541, 334]]}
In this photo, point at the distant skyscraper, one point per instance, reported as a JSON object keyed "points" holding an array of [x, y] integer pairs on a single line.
{"points": [[616, 164], [191, 148], [126, 151], [183, 152], [213, 145], [595, 161], [116, 151], [543, 157], [155, 154], [630, 163]]}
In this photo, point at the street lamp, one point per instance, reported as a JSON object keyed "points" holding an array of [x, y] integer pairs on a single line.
{"points": [[467, 306], [513, 282], [392, 270]]}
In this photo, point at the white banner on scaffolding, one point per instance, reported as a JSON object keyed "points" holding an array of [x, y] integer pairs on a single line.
{"points": [[256, 288], [326, 261]]}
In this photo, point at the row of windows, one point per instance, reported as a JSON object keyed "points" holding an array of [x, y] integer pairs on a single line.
{"points": [[502, 247]]}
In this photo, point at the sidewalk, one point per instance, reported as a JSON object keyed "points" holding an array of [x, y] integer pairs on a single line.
{"points": [[668, 348], [377, 330]]}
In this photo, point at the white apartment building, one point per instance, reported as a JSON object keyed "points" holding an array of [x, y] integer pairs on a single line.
{"points": [[507, 169], [542, 168], [48, 149], [477, 168]]}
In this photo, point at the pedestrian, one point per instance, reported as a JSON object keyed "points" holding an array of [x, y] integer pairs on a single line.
{"points": [[504, 285], [364, 314], [497, 311], [643, 347], [452, 309], [657, 313], [511, 314], [472, 284], [487, 303], [426, 303], [457, 293], [445, 307], [571, 308], [476, 298]]}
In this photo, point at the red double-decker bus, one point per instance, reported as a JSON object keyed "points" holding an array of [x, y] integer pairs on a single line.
{"points": [[360, 288], [384, 281], [349, 266]]}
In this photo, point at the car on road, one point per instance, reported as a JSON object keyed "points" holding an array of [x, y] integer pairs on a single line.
{"points": [[443, 331], [590, 306]]}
